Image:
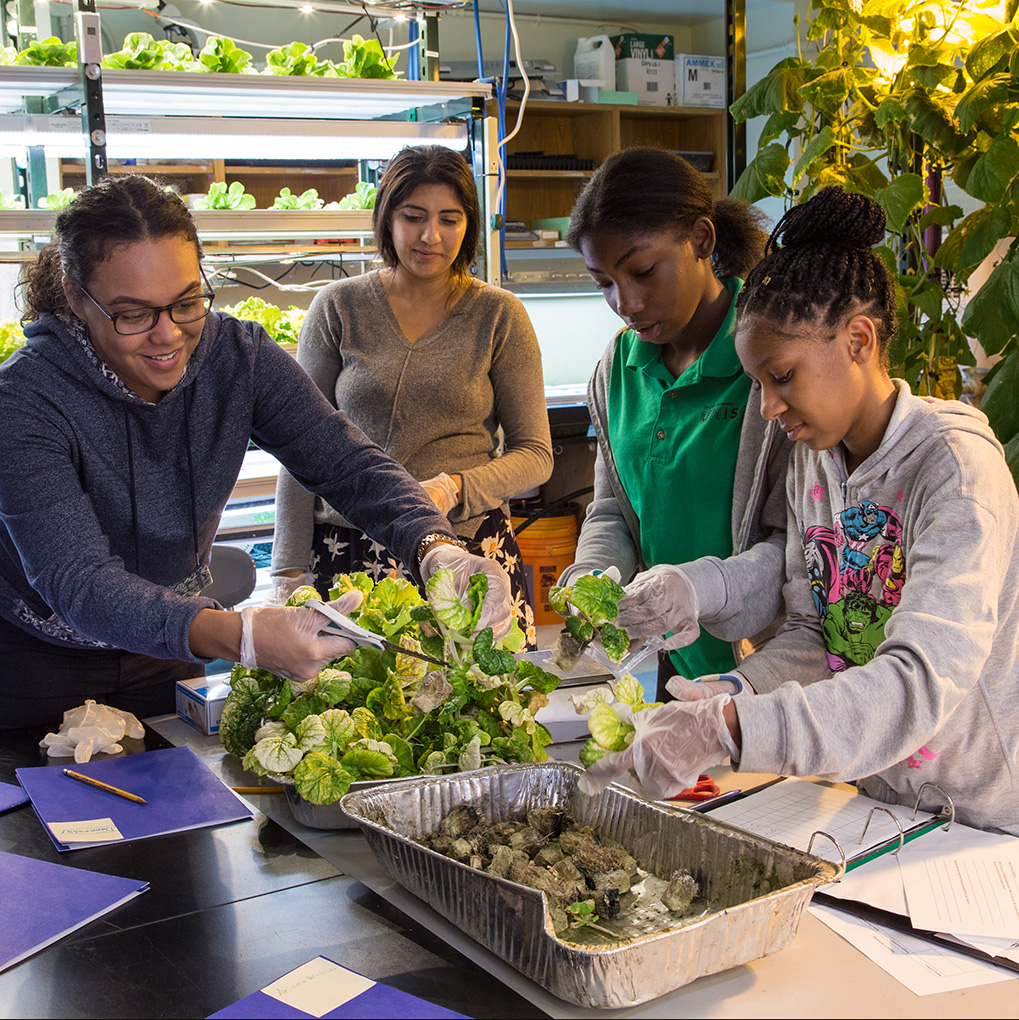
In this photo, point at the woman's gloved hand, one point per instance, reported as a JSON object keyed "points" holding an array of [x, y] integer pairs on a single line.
{"points": [[708, 686], [283, 587], [658, 601], [442, 491], [672, 745], [612, 572], [497, 609], [293, 641]]}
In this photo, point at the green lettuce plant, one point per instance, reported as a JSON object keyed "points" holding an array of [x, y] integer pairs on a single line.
{"points": [[224, 56], [283, 326], [365, 58], [307, 200], [375, 714], [221, 196], [902, 97], [51, 52], [141, 52]]}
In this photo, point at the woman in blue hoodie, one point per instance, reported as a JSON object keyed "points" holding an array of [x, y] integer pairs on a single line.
{"points": [[128, 413]]}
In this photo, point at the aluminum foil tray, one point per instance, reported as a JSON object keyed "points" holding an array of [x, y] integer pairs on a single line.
{"points": [[326, 816], [761, 888]]}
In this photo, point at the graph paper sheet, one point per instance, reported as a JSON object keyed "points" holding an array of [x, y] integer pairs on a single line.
{"points": [[791, 811]]}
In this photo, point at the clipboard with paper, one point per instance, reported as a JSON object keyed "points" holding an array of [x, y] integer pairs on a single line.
{"points": [[856, 828]]}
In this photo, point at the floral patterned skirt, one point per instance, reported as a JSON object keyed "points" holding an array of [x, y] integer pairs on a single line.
{"points": [[338, 550]]}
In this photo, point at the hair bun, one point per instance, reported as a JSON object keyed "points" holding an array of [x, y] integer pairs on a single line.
{"points": [[836, 217]]}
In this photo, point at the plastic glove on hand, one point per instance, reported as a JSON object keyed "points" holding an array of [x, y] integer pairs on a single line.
{"points": [[672, 745], [708, 686], [293, 641], [658, 601], [497, 608], [442, 491], [283, 587]]}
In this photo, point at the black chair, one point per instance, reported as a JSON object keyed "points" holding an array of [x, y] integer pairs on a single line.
{"points": [[233, 575]]}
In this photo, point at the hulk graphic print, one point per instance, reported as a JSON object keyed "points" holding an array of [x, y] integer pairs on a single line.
{"points": [[856, 573]]}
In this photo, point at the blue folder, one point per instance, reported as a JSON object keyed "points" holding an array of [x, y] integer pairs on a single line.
{"points": [[41, 902], [181, 791]]}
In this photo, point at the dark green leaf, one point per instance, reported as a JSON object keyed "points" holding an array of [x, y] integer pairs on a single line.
{"points": [[306, 704], [492, 660], [988, 53], [928, 297], [776, 125], [932, 77], [992, 315], [775, 93], [1012, 458], [581, 629], [536, 677], [994, 170], [819, 144], [828, 92], [981, 96], [972, 240], [1001, 401], [931, 118], [889, 111], [764, 175], [899, 199], [940, 215]]}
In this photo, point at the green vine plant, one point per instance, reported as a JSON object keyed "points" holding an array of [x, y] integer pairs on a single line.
{"points": [[900, 99]]}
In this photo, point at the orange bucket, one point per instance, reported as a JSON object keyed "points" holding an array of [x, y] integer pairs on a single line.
{"points": [[548, 547]]}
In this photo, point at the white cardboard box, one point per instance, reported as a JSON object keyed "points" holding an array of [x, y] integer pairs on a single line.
{"points": [[200, 701], [654, 81], [700, 80]]}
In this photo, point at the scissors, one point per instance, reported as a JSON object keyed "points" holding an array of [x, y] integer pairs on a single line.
{"points": [[362, 637], [704, 789]]}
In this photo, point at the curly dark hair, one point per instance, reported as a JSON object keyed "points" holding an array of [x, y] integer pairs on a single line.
{"points": [[820, 264], [643, 190], [115, 211], [426, 164]]}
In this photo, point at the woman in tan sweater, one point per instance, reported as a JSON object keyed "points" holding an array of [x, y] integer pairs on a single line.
{"points": [[432, 364]]}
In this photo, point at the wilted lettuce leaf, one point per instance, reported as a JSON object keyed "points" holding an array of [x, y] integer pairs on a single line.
{"points": [[608, 730], [597, 597], [615, 641]]}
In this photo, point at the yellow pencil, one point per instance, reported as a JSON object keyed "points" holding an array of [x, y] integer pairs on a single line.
{"points": [[104, 786], [257, 789]]}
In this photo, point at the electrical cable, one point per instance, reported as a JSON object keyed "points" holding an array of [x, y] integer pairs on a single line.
{"points": [[554, 505]]}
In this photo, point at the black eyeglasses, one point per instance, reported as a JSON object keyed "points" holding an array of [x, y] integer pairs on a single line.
{"points": [[141, 320]]}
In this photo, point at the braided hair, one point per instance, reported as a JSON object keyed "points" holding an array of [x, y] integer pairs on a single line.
{"points": [[644, 190], [825, 266]]}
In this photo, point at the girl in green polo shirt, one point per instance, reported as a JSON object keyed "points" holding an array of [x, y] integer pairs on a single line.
{"points": [[685, 473]]}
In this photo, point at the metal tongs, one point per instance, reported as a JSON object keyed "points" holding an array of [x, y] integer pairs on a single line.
{"points": [[362, 637]]}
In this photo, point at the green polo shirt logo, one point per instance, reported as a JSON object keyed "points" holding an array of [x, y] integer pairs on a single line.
{"points": [[675, 443]]}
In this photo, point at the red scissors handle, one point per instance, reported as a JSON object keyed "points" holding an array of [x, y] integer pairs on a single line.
{"points": [[705, 789]]}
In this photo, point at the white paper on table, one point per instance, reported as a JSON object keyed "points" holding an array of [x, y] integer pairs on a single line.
{"points": [[924, 968], [1009, 948], [318, 987], [966, 881]]}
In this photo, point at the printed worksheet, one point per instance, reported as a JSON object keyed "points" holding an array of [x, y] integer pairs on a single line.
{"points": [[971, 891]]}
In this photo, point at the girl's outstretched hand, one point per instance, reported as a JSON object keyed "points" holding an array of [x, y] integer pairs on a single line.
{"points": [[658, 601], [672, 745]]}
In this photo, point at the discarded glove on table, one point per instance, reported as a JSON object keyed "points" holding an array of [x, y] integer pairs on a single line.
{"points": [[91, 729]]}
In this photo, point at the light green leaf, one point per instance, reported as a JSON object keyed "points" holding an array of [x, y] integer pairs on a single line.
{"points": [[994, 170], [764, 175], [980, 97], [899, 199], [777, 92], [819, 144]]}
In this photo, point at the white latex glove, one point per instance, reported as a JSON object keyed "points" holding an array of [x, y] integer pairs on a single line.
{"points": [[708, 686], [283, 587], [293, 641], [442, 491], [497, 609], [672, 745], [660, 600], [91, 729]]}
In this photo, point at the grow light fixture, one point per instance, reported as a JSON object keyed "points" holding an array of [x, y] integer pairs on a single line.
{"points": [[196, 138]]}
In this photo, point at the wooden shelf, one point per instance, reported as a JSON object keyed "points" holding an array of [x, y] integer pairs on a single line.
{"points": [[595, 131]]}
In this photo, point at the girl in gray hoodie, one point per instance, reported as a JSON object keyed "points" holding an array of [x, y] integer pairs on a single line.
{"points": [[898, 663]]}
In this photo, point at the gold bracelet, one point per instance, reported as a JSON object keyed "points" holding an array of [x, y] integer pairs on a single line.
{"points": [[437, 538]]}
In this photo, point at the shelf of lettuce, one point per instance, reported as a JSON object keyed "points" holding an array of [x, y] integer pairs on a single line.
{"points": [[322, 232], [192, 94]]}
